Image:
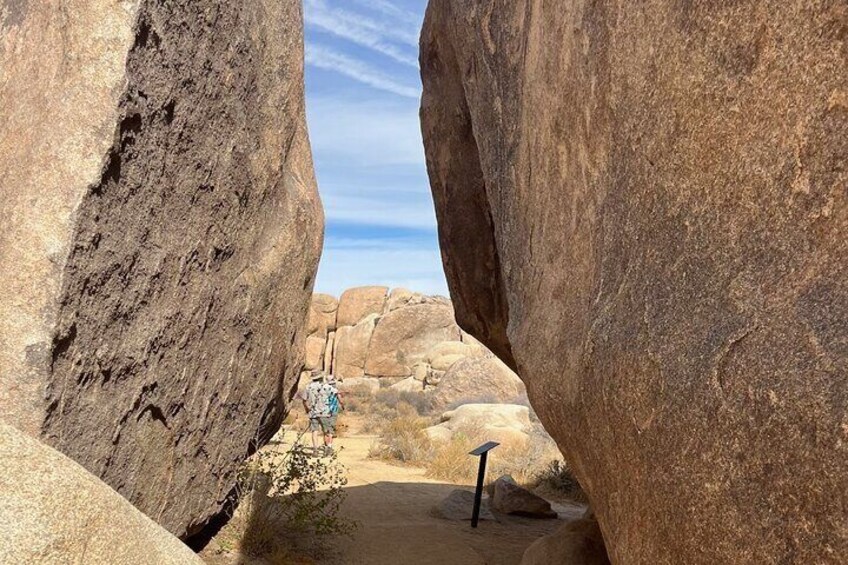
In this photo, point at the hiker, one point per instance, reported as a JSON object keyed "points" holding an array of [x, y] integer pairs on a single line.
{"points": [[322, 403]]}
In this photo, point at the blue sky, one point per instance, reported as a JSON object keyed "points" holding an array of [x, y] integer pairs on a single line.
{"points": [[362, 97]]}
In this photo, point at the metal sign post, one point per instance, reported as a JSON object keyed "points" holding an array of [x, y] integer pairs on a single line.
{"points": [[483, 453]]}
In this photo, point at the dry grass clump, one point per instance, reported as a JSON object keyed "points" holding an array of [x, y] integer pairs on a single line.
{"points": [[450, 461], [403, 437], [382, 409], [523, 460], [392, 398], [359, 399]]}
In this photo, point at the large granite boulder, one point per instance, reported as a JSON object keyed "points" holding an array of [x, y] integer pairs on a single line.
{"points": [[642, 208], [314, 352], [54, 511], [322, 315], [508, 424], [161, 231], [352, 348], [403, 337], [357, 303], [476, 379]]}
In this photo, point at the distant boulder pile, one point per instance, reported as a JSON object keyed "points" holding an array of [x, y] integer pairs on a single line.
{"points": [[375, 336]]}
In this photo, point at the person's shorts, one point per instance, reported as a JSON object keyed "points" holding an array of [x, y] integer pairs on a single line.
{"points": [[326, 424]]}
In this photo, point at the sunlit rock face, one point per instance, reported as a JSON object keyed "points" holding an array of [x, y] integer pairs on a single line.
{"points": [[642, 207], [161, 231]]}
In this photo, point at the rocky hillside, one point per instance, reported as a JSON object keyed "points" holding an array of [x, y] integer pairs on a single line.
{"points": [[642, 209], [161, 232]]}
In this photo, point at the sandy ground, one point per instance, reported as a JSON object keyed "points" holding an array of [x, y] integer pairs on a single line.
{"points": [[395, 509]]}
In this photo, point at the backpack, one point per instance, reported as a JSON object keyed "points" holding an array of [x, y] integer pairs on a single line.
{"points": [[333, 402]]}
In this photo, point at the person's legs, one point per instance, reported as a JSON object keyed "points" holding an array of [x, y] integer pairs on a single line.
{"points": [[329, 425], [315, 427]]}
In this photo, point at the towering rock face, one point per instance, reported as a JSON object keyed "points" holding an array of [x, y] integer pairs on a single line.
{"points": [[161, 231], [642, 206]]}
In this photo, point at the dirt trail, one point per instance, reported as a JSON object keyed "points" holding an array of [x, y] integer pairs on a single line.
{"points": [[397, 523]]}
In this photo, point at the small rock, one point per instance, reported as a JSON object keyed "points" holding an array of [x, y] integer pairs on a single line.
{"points": [[578, 543], [410, 384], [510, 498], [459, 506], [367, 383]]}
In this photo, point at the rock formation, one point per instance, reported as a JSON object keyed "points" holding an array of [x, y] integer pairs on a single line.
{"points": [[323, 310], [357, 303], [161, 230], [642, 208], [412, 343], [475, 379], [508, 424], [403, 337], [54, 511], [352, 348]]}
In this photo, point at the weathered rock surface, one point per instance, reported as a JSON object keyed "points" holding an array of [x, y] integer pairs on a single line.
{"points": [[322, 315], [314, 355], [410, 384], [329, 350], [642, 208], [404, 336], [54, 511], [370, 384], [577, 543], [357, 303], [161, 230], [510, 498], [448, 348], [352, 346], [475, 379], [508, 424]]}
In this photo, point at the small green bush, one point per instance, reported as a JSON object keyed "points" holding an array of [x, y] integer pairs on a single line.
{"points": [[290, 492]]}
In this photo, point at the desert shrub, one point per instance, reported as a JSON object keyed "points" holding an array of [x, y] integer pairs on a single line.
{"points": [[359, 399], [558, 477], [286, 493], [450, 461], [390, 398], [403, 437], [522, 460]]}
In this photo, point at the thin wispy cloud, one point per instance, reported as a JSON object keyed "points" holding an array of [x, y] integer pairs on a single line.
{"points": [[351, 263], [329, 59], [385, 212], [387, 38], [387, 8], [366, 132], [363, 88]]}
